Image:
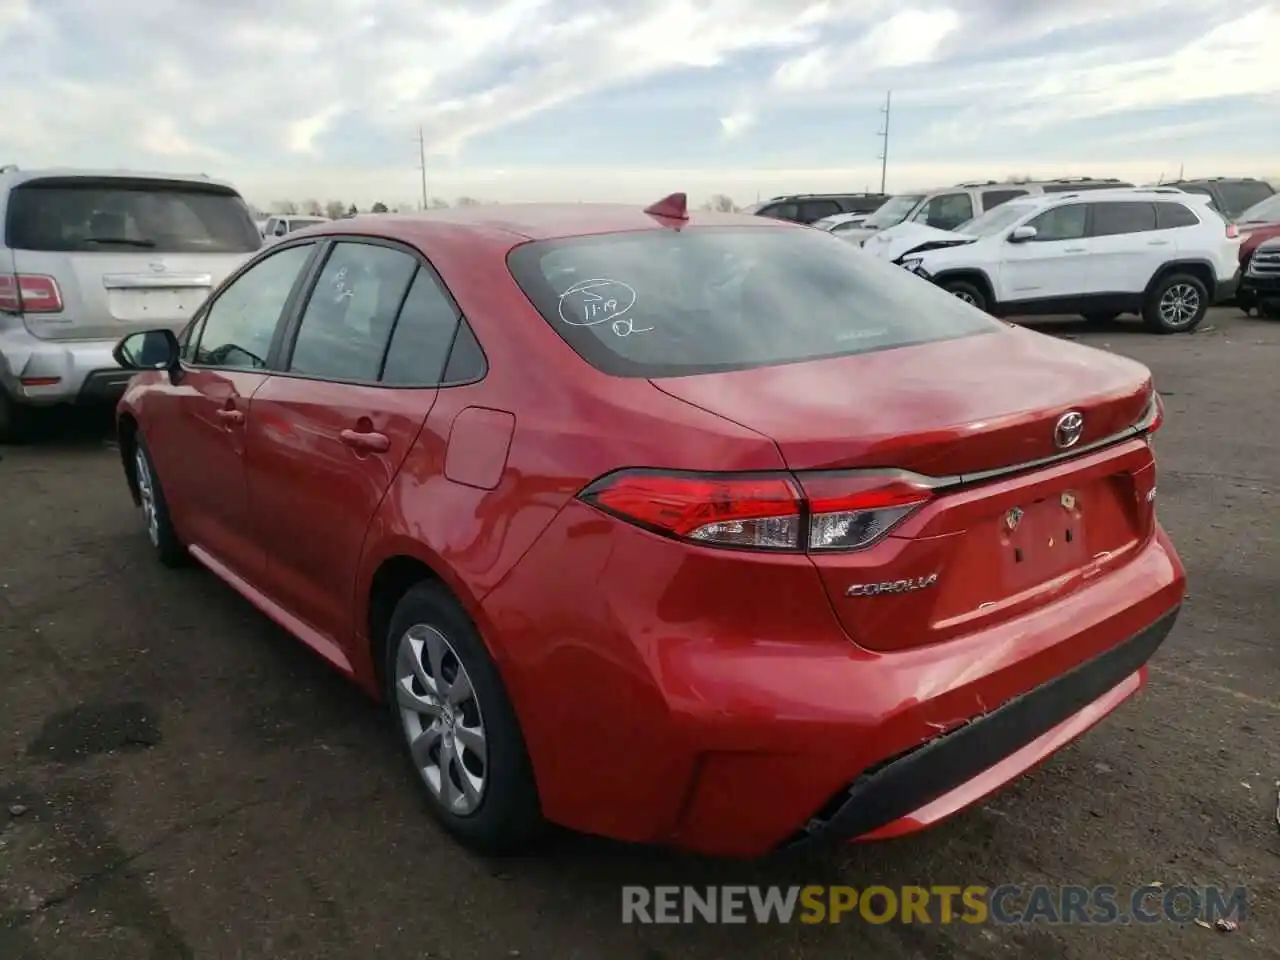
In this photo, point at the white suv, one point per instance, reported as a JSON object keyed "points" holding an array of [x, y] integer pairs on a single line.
{"points": [[87, 257], [1157, 252]]}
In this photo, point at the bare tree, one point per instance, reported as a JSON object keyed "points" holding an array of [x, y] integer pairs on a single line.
{"points": [[287, 207], [378, 207], [353, 210], [334, 209], [438, 203], [1018, 178], [468, 202], [312, 208], [720, 203]]}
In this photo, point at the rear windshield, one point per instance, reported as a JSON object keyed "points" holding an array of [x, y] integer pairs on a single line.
{"points": [[1268, 211], [1239, 197], [84, 215], [665, 303]]}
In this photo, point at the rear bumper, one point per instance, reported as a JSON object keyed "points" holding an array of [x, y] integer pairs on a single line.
{"points": [[939, 776], [50, 372], [688, 680]]}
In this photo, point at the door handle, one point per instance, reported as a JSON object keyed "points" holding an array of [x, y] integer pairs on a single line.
{"points": [[1157, 243], [231, 416], [1073, 249], [366, 441]]}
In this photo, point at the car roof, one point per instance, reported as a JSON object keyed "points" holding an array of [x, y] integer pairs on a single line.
{"points": [[14, 176], [1116, 194], [520, 222]]}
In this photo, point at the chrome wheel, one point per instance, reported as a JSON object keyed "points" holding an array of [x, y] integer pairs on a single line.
{"points": [[1179, 305], [441, 719], [966, 296], [147, 494]]}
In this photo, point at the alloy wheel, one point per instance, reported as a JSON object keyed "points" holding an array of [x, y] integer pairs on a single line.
{"points": [[147, 494], [966, 296], [441, 719], [1179, 305]]}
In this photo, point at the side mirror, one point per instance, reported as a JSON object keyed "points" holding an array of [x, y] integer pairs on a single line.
{"points": [[1022, 234], [148, 350]]}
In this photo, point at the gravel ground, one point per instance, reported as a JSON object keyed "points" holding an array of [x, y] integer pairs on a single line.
{"points": [[183, 780]]}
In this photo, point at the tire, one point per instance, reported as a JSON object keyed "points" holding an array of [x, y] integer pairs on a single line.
{"points": [[1176, 304], [155, 509], [1101, 317], [498, 811], [966, 291], [1270, 309], [15, 420]]}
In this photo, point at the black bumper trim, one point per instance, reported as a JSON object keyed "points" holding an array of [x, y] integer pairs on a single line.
{"points": [[906, 783], [101, 386]]}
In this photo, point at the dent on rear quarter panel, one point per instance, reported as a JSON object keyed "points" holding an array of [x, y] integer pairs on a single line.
{"points": [[479, 442]]}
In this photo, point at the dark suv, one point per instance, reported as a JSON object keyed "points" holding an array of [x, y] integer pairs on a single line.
{"points": [[811, 207], [1231, 196]]}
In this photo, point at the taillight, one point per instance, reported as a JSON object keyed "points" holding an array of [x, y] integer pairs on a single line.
{"points": [[849, 510], [1233, 232], [29, 293], [821, 511]]}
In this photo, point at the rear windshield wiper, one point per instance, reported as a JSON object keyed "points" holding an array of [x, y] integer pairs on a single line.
{"points": [[121, 241]]}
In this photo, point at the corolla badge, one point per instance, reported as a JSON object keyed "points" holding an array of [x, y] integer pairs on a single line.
{"points": [[891, 586], [1067, 431]]}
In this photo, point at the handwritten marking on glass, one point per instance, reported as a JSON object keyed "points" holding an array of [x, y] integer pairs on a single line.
{"points": [[591, 302], [342, 291]]}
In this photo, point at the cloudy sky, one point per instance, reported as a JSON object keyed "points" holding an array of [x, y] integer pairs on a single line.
{"points": [[570, 99]]}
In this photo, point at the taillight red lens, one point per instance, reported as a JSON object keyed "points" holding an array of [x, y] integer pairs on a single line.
{"points": [[29, 293], [808, 511], [731, 510], [1233, 232]]}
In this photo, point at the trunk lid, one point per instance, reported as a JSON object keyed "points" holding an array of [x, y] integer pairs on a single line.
{"points": [[1001, 541]]}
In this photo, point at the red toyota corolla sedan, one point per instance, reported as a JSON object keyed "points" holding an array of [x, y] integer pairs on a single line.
{"points": [[693, 529]]}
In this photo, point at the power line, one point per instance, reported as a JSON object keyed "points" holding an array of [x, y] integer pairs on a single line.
{"points": [[884, 140], [422, 166]]}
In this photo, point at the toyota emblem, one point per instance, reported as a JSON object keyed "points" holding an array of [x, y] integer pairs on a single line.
{"points": [[1067, 431], [158, 266]]}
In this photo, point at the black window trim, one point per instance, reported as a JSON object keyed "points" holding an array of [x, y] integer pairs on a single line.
{"points": [[196, 327], [295, 308]]}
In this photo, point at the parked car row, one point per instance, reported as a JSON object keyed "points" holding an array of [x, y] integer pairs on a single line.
{"points": [[1159, 252]]}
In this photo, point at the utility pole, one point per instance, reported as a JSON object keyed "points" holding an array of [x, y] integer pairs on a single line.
{"points": [[422, 166], [884, 140]]}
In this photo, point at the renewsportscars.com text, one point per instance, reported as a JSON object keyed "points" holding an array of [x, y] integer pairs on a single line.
{"points": [[1008, 904]]}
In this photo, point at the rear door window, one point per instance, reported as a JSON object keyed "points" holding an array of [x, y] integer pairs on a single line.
{"points": [[812, 210], [345, 327], [1113, 219], [82, 215], [1172, 215], [423, 336], [993, 198], [781, 211], [661, 303]]}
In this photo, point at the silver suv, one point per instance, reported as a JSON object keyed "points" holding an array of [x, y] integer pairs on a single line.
{"points": [[946, 208], [88, 256]]}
